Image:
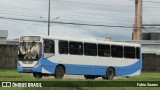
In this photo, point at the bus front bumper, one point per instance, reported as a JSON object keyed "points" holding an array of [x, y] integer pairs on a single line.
{"points": [[29, 70]]}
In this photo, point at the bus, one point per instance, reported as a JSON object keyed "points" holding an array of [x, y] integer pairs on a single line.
{"points": [[57, 56]]}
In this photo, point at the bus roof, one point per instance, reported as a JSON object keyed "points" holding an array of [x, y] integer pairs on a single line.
{"points": [[100, 41]]}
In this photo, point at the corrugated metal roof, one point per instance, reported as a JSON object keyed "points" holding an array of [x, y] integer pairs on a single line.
{"points": [[9, 42]]}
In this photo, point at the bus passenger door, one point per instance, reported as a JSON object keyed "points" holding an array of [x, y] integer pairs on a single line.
{"points": [[48, 48]]}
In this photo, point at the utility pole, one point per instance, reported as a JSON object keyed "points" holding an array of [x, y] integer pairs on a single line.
{"points": [[49, 18], [137, 34]]}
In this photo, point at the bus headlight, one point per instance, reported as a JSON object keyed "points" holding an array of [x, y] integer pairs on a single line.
{"points": [[38, 64]]}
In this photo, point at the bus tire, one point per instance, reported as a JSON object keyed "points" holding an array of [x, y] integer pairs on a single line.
{"points": [[109, 74], [37, 75], [92, 77], [86, 76], [59, 72], [89, 77]]}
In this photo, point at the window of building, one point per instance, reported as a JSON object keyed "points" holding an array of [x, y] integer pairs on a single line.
{"points": [[48, 46], [76, 48], [137, 52], [129, 52], [90, 49], [103, 50], [63, 47], [117, 51]]}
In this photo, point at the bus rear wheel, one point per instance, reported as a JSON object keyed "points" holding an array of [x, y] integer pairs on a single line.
{"points": [[59, 72], [37, 75], [89, 77], [109, 74]]}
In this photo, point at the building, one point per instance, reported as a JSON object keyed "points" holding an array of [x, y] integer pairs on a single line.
{"points": [[8, 51], [151, 36], [3, 34], [150, 54]]}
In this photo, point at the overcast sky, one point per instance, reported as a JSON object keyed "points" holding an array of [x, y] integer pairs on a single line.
{"points": [[106, 12]]}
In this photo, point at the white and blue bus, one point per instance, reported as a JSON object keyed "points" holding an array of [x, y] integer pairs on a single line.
{"points": [[46, 56]]}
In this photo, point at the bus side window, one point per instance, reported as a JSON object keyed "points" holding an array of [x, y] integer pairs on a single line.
{"points": [[48, 46], [117, 51], [76, 48], [129, 52], [137, 52], [103, 50], [63, 47], [90, 49]]}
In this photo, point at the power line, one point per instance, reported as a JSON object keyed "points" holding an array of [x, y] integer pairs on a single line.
{"points": [[87, 21], [152, 1], [94, 4], [43, 11], [69, 23], [38, 10], [93, 19], [111, 5], [65, 12], [73, 20], [19, 15], [69, 13]]}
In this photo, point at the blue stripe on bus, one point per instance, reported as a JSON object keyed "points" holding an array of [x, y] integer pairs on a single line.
{"points": [[86, 69], [48, 65], [93, 69]]}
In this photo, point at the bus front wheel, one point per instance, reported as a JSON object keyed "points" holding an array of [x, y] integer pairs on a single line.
{"points": [[109, 74], [37, 75], [59, 72]]}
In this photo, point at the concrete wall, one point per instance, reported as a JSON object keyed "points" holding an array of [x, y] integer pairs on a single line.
{"points": [[8, 56], [151, 62]]}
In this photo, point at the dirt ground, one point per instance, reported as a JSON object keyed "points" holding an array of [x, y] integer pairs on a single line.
{"points": [[77, 77]]}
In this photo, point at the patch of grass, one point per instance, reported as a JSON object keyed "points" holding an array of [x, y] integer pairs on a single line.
{"points": [[13, 75], [145, 76]]}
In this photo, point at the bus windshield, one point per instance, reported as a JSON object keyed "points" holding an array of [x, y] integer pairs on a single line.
{"points": [[29, 50]]}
